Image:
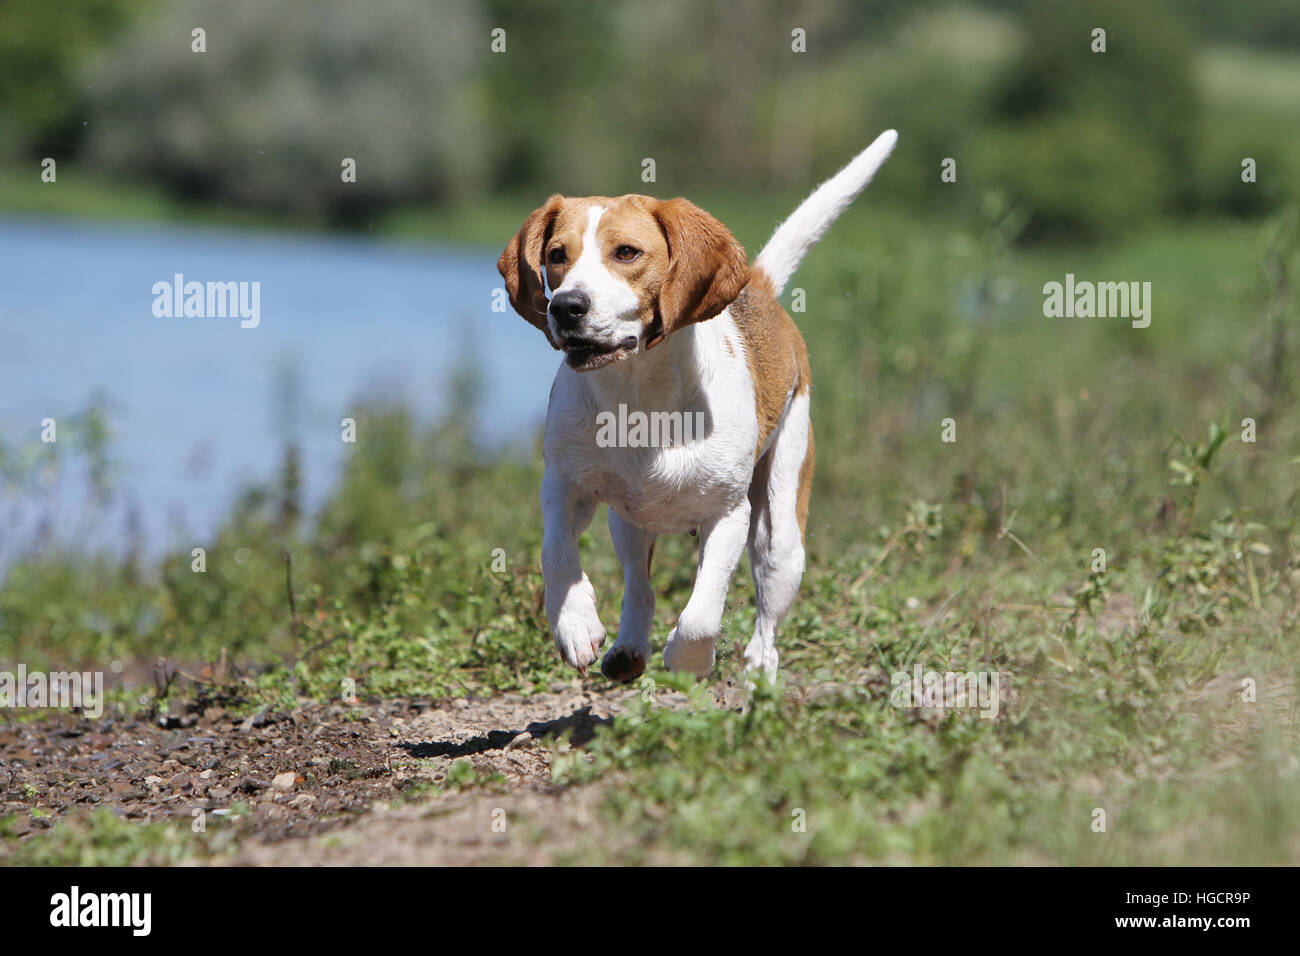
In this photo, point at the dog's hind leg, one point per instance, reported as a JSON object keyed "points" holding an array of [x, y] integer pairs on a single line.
{"points": [[778, 496], [634, 546]]}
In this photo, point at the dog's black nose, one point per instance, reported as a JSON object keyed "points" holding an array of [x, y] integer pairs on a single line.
{"points": [[569, 307]]}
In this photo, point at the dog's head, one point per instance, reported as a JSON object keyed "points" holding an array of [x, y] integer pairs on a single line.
{"points": [[624, 273]]}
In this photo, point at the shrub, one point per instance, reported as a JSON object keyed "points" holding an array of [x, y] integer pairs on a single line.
{"points": [[267, 114]]}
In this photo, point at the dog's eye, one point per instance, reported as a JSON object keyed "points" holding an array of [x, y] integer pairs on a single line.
{"points": [[556, 256], [626, 253]]}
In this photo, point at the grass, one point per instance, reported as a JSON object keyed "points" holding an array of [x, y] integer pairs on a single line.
{"points": [[1123, 687], [102, 839]]}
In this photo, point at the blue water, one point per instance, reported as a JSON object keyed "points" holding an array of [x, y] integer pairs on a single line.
{"points": [[195, 404]]}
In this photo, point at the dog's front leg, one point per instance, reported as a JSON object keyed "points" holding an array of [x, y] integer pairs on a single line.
{"points": [[634, 545], [691, 642], [570, 598]]}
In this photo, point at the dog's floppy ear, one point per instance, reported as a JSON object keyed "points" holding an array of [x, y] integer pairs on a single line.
{"points": [[522, 268], [707, 267]]}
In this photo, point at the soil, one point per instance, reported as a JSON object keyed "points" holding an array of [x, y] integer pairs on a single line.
{"points": [[326, 784]]}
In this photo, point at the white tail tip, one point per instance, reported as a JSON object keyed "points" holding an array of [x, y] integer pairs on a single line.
{"points": [[794, 237]]}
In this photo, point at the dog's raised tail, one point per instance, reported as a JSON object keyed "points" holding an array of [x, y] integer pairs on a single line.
{"points": [[794, 237]]}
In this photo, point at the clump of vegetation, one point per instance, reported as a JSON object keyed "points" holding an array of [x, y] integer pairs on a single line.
{"points": [[102, 839]]}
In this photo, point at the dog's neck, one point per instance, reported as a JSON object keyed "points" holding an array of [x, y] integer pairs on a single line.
{"points": [[670, 377]]}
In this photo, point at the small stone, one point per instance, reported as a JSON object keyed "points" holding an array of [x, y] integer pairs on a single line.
{"points": [[252, 784], [284, 781]]}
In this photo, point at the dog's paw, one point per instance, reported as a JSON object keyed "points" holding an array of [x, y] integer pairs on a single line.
{"points": [[623, 663], [760, 659], [579, 642], [689, 654], [577, 630]]}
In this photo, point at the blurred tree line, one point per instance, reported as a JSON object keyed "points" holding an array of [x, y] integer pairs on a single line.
{"points": [[713, 92]]}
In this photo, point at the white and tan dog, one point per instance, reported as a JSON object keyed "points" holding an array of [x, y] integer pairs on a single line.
{"points": [[633, 281]]}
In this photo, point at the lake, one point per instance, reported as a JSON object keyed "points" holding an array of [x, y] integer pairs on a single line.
{"points": [[197, 405]]}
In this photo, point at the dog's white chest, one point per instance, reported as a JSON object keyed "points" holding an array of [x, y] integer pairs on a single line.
{"points": [[664, 490], [666, 456]]}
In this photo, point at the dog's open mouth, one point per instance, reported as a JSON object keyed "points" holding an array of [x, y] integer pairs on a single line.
{"points": [[584, 355]]}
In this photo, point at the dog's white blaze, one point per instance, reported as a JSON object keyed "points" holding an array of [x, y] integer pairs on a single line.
{"points": [[614, 304]]}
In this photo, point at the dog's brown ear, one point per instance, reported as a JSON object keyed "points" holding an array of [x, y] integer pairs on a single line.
{"points": [[707, 267], [522, 267]]}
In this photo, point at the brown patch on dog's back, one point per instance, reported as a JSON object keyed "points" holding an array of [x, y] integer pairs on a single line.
{"points": [[776, 355], [760, 281]]}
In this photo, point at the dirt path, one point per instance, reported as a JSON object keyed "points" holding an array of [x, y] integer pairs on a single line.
{"points": [[326, 783]]}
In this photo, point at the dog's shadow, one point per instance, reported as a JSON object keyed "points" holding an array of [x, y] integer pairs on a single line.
{"points": [[582, 722]]}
